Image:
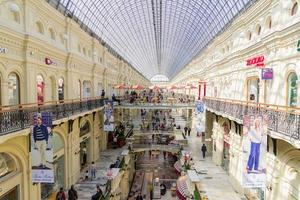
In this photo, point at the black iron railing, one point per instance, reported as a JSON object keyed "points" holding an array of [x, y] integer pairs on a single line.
{"points": [[282, 119], [16, 118]]}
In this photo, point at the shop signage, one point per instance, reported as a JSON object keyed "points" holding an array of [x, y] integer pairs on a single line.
{"points": [[257, 61], [3, 50], [298, 46], [48, 61], [266, 73]]}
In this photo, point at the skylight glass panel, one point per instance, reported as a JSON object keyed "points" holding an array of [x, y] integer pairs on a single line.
{"points": [[156, 36]]}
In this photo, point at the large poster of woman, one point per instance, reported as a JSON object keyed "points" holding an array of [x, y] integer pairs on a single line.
{"points": [[108, 116], [255, 128], [42, 149]]}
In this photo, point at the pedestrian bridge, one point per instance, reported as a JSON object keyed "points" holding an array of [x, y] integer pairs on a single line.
{"points": [[155, 147], [160, 106]]}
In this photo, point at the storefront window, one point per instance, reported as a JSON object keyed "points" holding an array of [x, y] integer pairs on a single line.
{"points": [[60, 89], [99, 90], [12, 194], [13, 89], [86, 89], [40, 89], [292, 89], [253, 89]]}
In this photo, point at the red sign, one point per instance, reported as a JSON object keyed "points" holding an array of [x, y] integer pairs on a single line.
{"points": [[257, 61], [48, 61]]}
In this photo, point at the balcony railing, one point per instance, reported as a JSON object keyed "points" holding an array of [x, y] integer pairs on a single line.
{"points": [[282, 119], [19, 117]]}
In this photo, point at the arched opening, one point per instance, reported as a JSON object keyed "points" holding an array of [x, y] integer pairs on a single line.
{"points": [[253, 89], [40, 84], [60, 89], [258, 29], [39, 27], [294, 9], [13, 89], [79, 89], [8, 167], [292, 89], [268, 23], [85, 147], [249, 35], [86, 89], [51, 33], [226, 146], [58, 167]]}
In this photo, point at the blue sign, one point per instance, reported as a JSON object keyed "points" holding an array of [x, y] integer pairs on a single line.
{"points": [[199, 107]]}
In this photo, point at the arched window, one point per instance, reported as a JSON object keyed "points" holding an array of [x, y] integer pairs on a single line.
{"points": [[15, 12], [39, 27], [85, 128], [84, 51], [79, 89], [7, 164], [294, 9], [268, 23], [13, 89], [292, 89], [60, 89], [52, 33], [40, 89], [258, 29], [249, 35], [253, 89], [86, 89]]}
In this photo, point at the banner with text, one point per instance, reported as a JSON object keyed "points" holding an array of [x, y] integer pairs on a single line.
{"points": [[255, 128], [108, 116], [200, 117], [42, 148]]}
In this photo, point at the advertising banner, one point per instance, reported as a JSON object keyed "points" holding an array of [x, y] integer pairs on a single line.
{"points": [[200, 117], [267, 74], [255, 129], [108, 116], [41, 148]]}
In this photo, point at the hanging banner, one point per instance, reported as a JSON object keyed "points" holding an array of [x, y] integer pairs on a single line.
{"points": [[200, 117], [108, 116], [255, 129], [41, 148]]}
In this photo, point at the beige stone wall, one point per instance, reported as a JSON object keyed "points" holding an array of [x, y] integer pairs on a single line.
{"points": [[37, 31]]}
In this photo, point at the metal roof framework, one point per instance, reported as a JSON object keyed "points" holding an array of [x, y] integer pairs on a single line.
{"points": [[154, 36]]}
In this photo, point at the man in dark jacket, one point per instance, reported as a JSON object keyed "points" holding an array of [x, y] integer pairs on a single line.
{"points": [[203, 149], [40, 136], [98, 194]]}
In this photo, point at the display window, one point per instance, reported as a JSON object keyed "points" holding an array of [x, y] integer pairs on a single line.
{"points": [[253, 89], [292, 89], [13, 89], [60, 89], [40, 89]]}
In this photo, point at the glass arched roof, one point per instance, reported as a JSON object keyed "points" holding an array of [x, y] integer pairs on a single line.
{"points": [[155, 36], [159, 78]]}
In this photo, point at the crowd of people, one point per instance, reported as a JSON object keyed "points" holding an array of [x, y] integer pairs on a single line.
{"points": [[73, 195], [155, 96]]}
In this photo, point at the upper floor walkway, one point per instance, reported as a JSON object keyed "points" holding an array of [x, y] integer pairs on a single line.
{"points": [[283, 121]]}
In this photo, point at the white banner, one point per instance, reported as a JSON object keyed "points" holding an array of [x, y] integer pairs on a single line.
{"points": [[108, 116]]}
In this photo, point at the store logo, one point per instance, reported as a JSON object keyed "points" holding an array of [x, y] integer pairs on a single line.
{"points": [[3, 50], [298, 46], [48, 61], [257, 61]]}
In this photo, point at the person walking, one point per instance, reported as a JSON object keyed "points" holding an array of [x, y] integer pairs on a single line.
{"points": [[72, 193], [203, 149], [185, 130], [189, 131], [61, 194], [93, 171]]}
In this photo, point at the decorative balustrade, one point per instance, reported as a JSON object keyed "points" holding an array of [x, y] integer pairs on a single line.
{"points": [[16, 118], [282, 119]]}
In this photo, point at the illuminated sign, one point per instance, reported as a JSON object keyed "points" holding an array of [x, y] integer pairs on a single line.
{"points": [[257, 61], [266, 74]]}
